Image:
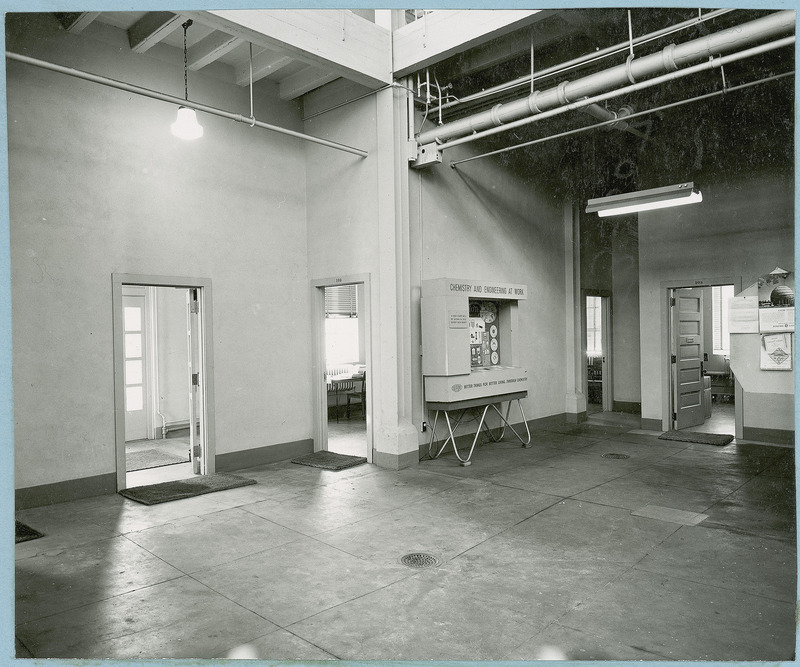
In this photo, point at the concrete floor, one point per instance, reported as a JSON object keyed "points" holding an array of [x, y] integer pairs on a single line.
{"points": [[679, 552], [348, 436]]}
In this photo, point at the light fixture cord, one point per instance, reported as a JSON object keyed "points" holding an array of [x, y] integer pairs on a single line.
{"points": [[185, 62]]}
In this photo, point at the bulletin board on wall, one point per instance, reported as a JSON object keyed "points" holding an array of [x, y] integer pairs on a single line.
{"points": [[770, 314]]}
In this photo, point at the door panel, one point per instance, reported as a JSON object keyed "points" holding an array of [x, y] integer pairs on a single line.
{"points": [[687, 351], [197, 422]]}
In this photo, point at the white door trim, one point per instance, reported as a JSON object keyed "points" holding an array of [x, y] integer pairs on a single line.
{"points": [[318, 363], [144, 280]]}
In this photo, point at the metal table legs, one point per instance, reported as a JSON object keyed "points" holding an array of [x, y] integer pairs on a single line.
{"points": [[451, 429]]}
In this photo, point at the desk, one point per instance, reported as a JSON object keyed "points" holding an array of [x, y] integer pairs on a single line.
{"points": [[482, 404], [339, 380]]}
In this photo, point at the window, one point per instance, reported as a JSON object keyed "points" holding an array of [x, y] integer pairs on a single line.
{"points": [[341, 325], [720, 298], [594, 328]]}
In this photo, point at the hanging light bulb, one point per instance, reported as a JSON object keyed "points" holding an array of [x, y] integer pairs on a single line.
{"points": [[186, 125]]}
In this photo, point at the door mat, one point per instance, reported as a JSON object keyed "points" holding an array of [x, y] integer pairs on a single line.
{"points": [[23, 532], [718, 439], [151, 458], [152, 494], [329, 460]]}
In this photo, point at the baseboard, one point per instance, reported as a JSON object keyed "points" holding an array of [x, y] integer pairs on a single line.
{"points": [[774, 435], [651, 424], [99, 485], [576, 417], [539, 424], [61, 492], [628, 407], [395, 461], [250, 458]]}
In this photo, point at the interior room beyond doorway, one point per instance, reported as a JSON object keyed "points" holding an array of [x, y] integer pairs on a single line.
{"points": [[161, 369], [345, 370]]}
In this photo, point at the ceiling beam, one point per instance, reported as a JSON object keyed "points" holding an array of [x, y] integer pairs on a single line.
{"points": [[211, 48], [76, 22], [336, 40], [151, 29], [305, 81], [442, 33], [500, 51], [264, 64]]}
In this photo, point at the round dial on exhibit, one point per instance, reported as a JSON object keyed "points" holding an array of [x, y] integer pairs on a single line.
{"points": [[489, 311]]}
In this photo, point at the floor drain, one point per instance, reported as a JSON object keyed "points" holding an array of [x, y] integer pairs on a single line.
{"points": [[611, 455], [419, 561]]}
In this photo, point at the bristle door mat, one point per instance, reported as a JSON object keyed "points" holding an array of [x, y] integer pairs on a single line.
{"points": [[718, 439], [23, 532], [151, 458], [153, 494], [329, 460]]}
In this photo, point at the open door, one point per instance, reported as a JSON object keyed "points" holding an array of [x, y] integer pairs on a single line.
{"points": [[197, 422], [686, 307], [172, 324]]}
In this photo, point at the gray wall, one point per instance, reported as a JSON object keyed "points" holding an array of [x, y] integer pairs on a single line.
{"points": [[98, 185]]}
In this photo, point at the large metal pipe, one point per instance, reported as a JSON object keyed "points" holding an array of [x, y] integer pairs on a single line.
{"points": [[611, 121], [669, 59], [634, 87], [155, 95], [584, 59]]}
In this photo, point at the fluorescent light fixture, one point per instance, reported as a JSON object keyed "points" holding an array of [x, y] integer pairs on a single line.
{"points": [[645, 200], [186, 125]]}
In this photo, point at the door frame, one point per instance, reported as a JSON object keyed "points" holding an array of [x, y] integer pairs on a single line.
{"points": [[318, 361], [665, 290], [203, 285], [607, 363]]}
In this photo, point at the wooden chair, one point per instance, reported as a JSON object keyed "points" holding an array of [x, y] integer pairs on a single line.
{"points": [[358, 394]]}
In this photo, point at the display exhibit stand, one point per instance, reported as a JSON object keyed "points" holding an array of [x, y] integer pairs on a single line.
{"points": [[483, 404], [469, 357]]}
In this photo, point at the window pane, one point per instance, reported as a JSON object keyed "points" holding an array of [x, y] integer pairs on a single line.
{"points": [[341, 341], [133, 398], [133, 345], [133, 372], [133, 319], [594, 336]]}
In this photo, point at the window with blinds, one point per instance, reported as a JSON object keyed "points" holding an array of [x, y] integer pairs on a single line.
{"points": [[720, 298], [341, 301]]}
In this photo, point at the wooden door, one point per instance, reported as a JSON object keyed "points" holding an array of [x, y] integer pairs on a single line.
{"points": [[687, 358]]}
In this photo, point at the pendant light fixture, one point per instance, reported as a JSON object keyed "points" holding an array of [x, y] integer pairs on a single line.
{"points": [[645, 200], [186, 125]]}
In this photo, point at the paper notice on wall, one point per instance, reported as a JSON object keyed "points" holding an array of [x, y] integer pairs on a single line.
{"points": [[743, 314], [776, 352], [776, 319]]}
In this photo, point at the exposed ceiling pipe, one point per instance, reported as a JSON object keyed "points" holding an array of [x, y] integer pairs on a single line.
{"points": [[152, 94], [664, 78], [669, 59], [585, 59], [615, 118], [637, 114]]}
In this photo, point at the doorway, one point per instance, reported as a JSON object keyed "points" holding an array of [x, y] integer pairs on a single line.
{"points": [[162, 363], [343, 366], [701, 385], [597, 352]]}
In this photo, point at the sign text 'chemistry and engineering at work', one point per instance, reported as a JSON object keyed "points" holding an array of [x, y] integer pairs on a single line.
{"points": [[494, 290]]}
